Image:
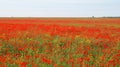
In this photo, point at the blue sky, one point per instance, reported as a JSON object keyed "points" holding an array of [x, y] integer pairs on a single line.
{"points": [[59, 8]]}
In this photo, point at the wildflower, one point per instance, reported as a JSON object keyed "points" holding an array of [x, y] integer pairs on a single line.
{"points": [[23, 64], [79, 60], [55, 65], [2, 59], [48, 61]]}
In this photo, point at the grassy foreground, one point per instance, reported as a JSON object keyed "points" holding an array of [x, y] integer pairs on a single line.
{"points": [[87, 44]]}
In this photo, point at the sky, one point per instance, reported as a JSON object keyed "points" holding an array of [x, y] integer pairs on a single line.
{"points": [[59, 8]]}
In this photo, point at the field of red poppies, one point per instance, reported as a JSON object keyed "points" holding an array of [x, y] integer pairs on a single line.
{"points": [[60, 42]]}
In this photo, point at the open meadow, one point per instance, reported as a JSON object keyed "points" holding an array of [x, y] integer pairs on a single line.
{"points": [[59, 42]]}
